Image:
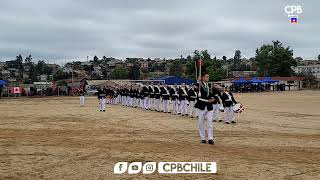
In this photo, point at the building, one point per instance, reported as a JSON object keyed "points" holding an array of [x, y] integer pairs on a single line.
{"points": [[144, 64], [314, 69]]}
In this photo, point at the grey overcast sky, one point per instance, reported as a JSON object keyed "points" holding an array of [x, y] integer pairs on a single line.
{"points": [[60, 30]]}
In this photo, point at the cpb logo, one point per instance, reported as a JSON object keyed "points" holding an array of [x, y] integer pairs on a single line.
{"points": [[293, 10]]}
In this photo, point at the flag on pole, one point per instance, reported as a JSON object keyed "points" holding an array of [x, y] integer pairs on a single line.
{"points": [[200, 63]]}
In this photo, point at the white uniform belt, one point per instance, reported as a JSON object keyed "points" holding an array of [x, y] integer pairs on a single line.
{"points": [[204, 100]]}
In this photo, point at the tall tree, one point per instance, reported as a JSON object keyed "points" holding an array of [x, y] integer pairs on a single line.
{"points": [[95, 59], [119, 72], [175, 68], [134, 72], [319, 57], [275, 60], [237, 59], [28, 60]]}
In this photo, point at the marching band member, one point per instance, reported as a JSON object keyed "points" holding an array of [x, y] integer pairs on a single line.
{"points": [[175, 99], [215, 104], [81, 93], [192, 96], [141, 97], [228, 102], [102, 99], [204, 106], [165, 94], [146, 94], [151, 97], [183, 99], [157, 97]]}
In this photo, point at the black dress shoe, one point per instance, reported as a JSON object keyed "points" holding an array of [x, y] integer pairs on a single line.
{"points": [[214, 120], [203, 141], [220, 120], [104, 110], [227, 123], [211, 141], [233, 122]]}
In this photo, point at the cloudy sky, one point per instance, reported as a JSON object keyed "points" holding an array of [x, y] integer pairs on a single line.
{"points": [[60, 30]]}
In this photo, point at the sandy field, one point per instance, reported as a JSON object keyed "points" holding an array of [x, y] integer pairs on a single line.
{"points": [[277, 137]]}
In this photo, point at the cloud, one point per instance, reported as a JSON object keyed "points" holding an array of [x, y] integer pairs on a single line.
{"points": [[72, 29]]}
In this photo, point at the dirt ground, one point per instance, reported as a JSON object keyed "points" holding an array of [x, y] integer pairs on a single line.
{"points": [[277, 137]]}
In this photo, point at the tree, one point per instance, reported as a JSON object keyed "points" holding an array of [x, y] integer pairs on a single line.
{"points": [[236, 60], [119, 72], [28, 60], [175, 68], [95, 59], [319, 57], [275, 60], [224, 58], [134, 72], [211, 66]]}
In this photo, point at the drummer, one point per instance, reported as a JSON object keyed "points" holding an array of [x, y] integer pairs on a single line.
{"points": [[228, 103]]}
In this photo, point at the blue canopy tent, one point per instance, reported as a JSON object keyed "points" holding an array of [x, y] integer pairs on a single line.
{"points": [[240, 81], [255, 80], [269, 80], [2, 83], [171, 80]]}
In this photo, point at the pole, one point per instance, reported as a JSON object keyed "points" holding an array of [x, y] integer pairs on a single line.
{"points": [[195, 66], [72, 78]]}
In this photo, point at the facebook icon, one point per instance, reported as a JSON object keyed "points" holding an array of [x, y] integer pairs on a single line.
{"points": [[120, 168]]}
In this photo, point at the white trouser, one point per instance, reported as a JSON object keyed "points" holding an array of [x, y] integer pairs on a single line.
{"points": [[102, 104], [192, 109], [216, 112], [146, 102], [165, 105], [123, 100], [151, 100], [175, 106], [128, 101], [131, 100], [81, 100], [203, 116], [141, 103], [229, 114], [183, 107], [156, 104]]}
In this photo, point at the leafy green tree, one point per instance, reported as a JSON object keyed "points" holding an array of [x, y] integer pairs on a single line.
{"points": [[119, 72], [237, 59], [175, 68], [28, 60], [211, 66], [319, 57], [134, 72], [95, 59], [275, 60]]}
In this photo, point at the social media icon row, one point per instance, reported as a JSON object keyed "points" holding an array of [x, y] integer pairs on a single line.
{"points": [[134, 167]]}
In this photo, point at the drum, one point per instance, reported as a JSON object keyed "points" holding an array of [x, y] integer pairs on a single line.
{"points": [[221, 108], [236, 107]]}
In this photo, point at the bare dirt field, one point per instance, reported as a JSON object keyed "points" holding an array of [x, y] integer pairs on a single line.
{"points": [[277, 137]]}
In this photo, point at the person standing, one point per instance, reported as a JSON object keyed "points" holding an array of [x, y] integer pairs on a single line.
{"points": [[183, 99], [192, 96], [216, 103], [151, 97], [146, 94], [175, 99], [165, 94], [204, 106], [157, 97], [228, 102], [81, 93], [102, 99]]}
